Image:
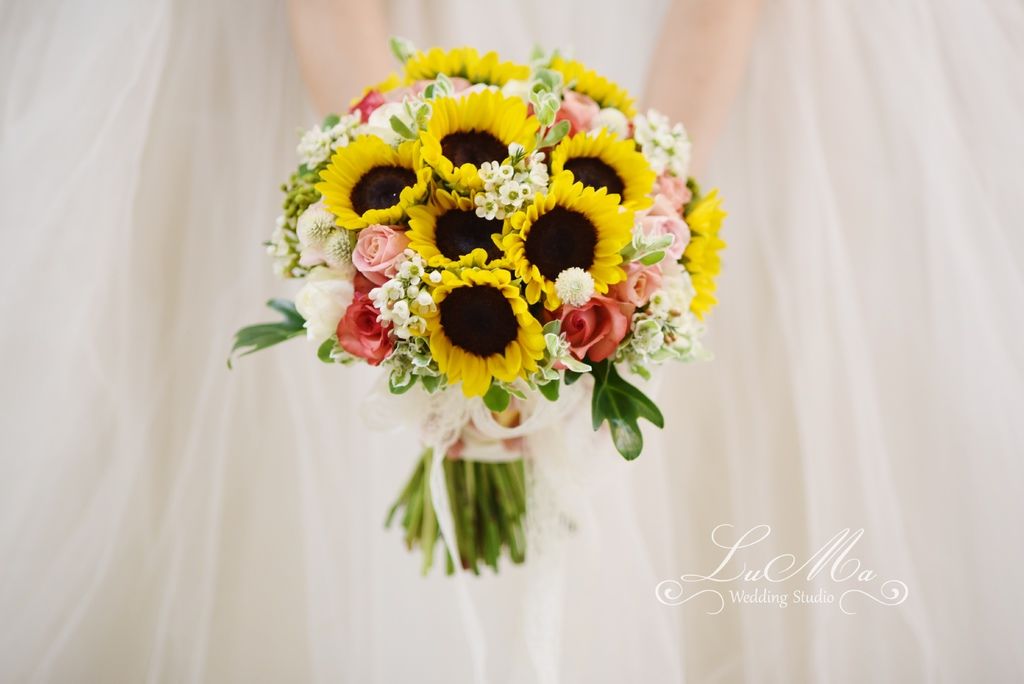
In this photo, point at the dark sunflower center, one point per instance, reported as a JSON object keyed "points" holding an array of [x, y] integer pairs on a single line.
{"points": [[478, 319], [595, 173], [561, 239], [381, 187], [458, 233], [473, 147]]}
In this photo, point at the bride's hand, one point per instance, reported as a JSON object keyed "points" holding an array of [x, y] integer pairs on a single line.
{"points": [[340, 48], [699, 64]]}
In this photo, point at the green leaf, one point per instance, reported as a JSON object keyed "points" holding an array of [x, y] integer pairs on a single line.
{"points": [[652, 258], [555, 134], [695, 196], [430, 382], [550, 390], [262, 335], [401, 389], [324, 352], [287, 309], [622, 405], [401, 48], [399, 127], [571, 377], [497, 399], [330, 121]]}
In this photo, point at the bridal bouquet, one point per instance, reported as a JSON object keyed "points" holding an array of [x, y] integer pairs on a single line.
{"points": [[490, 233]]}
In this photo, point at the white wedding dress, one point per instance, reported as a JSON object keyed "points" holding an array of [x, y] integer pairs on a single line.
{"points": [[163, 519]]}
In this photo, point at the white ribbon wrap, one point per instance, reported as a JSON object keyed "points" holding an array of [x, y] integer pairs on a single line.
{"points": [[550, 488]]}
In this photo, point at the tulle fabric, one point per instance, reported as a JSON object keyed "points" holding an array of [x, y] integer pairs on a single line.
{"points": [[867, 369], [163, 519]]}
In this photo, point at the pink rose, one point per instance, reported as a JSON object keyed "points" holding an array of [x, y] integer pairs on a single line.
{"points": [[595, 329], [663, 219], [674, 190], [361, 334], [579, 110], [365, 106], [641, 282], [377, 249]]}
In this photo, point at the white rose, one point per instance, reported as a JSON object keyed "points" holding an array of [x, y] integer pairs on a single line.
{"points": [[516, 88], [611, 119], [379, 123], [322, 301]]}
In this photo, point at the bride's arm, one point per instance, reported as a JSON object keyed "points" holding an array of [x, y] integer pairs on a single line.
{"points": [[699, 64], [341, 46]]}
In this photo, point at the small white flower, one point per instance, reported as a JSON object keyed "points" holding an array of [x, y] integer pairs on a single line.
{"points": [[314, 147], [424, 299], [487, 207], [647, 335], [574, 286], [435, 277], [400, 312], [513, 194], [666, 146]]}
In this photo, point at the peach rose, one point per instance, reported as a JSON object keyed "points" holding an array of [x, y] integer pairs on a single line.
{"points": [[377, 249], [674, 190], [579, 110], [641, 282], [361, 334], [595, 329], [663, 219]]}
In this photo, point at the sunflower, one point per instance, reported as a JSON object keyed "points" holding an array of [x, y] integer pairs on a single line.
{"points": [[604, 161], [571, 226], [701, 258], [588, 82], [448, 229], [482, 327], [465, 132], [464, 62], [369, 182]]}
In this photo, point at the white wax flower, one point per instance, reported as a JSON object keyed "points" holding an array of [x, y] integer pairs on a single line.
{"points": [[314, 146], [322, 301]]}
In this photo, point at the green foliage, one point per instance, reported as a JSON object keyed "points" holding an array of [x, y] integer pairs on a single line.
{"points": [[330, 121], [621, 405], [401, 389], [695, 195], [324, 353], [652, 258], [488, 504], [399, 127], [262, 335], [550, 390], [401, 48], [497, 398]]}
